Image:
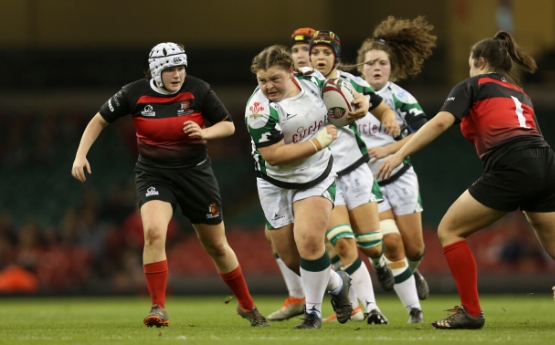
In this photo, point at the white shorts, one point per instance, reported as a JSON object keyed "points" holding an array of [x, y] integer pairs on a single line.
{"points": [[402, 195], [357, 188], [277, 203]]}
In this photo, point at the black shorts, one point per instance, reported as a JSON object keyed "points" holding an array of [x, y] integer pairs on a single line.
{"points": [[195, 189], [522, 179]]}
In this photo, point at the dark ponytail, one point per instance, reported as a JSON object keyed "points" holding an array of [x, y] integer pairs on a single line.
{"points": [[501, 52]]}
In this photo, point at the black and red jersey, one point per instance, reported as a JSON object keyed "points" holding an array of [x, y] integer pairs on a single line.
{"points": [[159, 119], [494, 114]]}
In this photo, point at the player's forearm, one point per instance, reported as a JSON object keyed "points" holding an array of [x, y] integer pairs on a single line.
{"points": [[396, 146], [287, 154], [427, 133], [91, 133], [219, 130], [383, 112]]}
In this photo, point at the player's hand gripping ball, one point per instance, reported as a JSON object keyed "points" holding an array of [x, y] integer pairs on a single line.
{"points": [[338, 96]]}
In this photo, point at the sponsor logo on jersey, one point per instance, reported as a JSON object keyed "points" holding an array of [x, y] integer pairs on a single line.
{"points": [[450, 99], [213, 211], [110, 105], [148, 111], [256, 107], [151, 191], [290, 116], [184, 108], [303, 132], [368, 128]]}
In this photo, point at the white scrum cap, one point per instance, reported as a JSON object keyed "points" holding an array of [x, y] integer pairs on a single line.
{"points": [[165, 55]]}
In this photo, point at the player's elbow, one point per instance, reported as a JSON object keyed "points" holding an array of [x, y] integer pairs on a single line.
{"points": [[273, 160], [227, 128], [443, 120], [230, 128]]}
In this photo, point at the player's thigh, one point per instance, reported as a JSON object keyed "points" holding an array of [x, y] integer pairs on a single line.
{"points": [[312, 207], [312, 214], [465, 216], [311, 221], [543, 224], [156, 215], [283, 238], [365, 218], [339, 215], [269, 239]]}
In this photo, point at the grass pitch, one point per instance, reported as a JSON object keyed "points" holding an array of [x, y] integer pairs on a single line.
{"points": [[510, 319]]}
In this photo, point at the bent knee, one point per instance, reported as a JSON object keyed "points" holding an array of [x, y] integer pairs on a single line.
{"points": [[215, 249], [447, 236], [393, 244], [344, 246], [153, 234]]}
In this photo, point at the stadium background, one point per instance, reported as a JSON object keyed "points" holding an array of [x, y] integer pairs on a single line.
{"points": [[61, 59]]}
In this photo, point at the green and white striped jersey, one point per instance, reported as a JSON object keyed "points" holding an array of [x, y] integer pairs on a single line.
{"points": [[406, 108], [296, 119]]}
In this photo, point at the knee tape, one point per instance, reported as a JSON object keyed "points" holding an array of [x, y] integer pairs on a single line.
{"points": [[388, 226], [339, 231], [369, 239], [401, 270]]}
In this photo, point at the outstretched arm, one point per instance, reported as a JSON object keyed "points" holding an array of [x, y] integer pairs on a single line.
{"points": [[425, 135], [380, 152], [95, 126]]}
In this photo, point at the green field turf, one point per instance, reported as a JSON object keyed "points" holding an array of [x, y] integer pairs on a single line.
{"points": [[510, 319]]}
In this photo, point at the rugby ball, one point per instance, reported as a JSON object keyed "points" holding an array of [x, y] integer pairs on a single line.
{"points": [[338, 95]]}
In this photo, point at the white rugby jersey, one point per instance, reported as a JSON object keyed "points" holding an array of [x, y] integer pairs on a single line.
{"points": [[296, 119], [349, 149], [407, 111]]}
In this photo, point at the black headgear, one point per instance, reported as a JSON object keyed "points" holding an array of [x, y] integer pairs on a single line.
{"points": [[328, 38]]}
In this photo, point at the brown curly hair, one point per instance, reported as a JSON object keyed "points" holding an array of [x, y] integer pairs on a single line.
{"points": [[407, 42]]}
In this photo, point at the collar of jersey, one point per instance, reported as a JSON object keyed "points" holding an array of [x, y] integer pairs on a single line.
{"points": [[383, 89], [154, 87], [300, 85]]}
